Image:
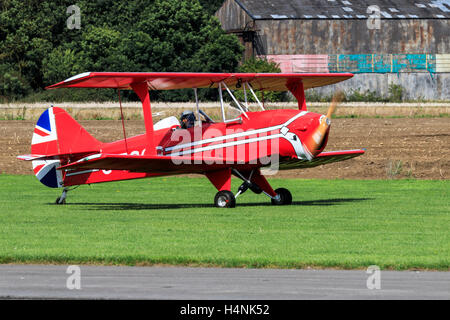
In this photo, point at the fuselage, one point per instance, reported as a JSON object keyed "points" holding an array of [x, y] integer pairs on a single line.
{"points": [[261, 139], [264, 133]]}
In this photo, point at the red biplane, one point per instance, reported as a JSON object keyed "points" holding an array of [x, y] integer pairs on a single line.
{"points": [[63, 154]]}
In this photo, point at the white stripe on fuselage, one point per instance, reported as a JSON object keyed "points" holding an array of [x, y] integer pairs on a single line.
{"points": [[233, 136], [226, 145]]}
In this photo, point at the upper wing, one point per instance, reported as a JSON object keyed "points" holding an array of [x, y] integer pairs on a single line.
{"points": [[323, 158], [176, 80]]}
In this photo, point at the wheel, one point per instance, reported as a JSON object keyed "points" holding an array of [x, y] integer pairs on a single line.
{"points": [[285, 197], [225, 199], [58, 201]]}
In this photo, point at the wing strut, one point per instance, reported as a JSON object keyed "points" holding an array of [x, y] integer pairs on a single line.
{"points": [[221, 102], [123, 122], [141, 89], [254, 95], [198, 108], [235, 100], [297, 89]]}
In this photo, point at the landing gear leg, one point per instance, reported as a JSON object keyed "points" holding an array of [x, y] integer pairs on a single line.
{"points": [[258, 184], [247, 184], [62, 198]]}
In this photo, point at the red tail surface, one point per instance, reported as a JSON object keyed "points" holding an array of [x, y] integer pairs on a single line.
{"points": [[58, 140]]}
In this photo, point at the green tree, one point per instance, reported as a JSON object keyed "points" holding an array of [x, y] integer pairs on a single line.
{"points": [[261, 65], [101, 50], [29, 30], [180, 36], [176, 35], [37, 49], [60, 64], [211, 6], [12, 83]]}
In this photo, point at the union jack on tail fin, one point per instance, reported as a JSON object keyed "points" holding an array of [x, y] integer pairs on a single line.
{"points": [[56, 137]]}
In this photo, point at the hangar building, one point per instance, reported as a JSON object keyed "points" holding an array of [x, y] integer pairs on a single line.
{"points": [[403, 42]]}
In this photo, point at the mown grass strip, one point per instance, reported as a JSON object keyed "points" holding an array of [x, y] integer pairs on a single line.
{"points": [[346, 224]]}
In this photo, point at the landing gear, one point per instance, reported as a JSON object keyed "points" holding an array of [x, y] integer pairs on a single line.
{"points": [[283, 197], [258, 184], [59, 200], [251, 179], [62, 199], [225, 199], [247, 184]]}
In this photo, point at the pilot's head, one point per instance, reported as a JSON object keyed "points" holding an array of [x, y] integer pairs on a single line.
{"points": [[187, 119]]}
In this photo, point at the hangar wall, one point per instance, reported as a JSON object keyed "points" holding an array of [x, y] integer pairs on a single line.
{"points": [[313, 44], [422, 76], [427, 36], [417, 86]]}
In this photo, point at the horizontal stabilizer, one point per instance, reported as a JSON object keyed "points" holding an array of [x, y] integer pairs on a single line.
{"points": [[56, 156], [31, 157]]}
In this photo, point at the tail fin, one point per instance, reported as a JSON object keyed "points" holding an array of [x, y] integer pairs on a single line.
{"points": [[58, 135]]}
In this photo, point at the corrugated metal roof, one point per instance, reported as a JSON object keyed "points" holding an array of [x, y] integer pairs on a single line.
{"points": [[345, 9]]}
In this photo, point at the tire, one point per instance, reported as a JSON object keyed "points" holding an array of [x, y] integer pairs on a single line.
{"points": [[57, 201], [225, 199], [285, 197]]}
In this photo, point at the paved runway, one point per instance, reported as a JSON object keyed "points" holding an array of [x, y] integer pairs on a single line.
{"points": [[99, 282]]}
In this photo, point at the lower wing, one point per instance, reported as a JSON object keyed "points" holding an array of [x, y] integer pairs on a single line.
{"points": [[154, 164], [321, 159], [183, 164]]}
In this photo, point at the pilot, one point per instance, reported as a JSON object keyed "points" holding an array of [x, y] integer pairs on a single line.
{"points": [[187, 119]]}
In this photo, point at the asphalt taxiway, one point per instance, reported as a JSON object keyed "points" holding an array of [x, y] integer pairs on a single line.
{"points": [[110, 282]]}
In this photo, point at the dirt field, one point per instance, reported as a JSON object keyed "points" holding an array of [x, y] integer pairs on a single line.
{"points": [[396, 148], [132, 111]]}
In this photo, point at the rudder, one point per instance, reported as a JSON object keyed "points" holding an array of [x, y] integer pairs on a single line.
{"points": [[57, 133]]}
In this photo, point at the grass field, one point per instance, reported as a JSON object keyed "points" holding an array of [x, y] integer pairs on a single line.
{"points": [[395, 224]]}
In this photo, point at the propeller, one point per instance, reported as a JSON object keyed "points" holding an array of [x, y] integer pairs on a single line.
{"points": [[314, 143], [337, 99]]}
